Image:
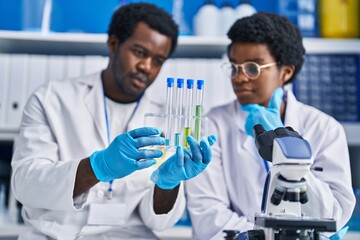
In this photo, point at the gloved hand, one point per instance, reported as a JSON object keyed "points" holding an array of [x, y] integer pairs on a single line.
{"points": [[184, 165], [123, 155], [269, 117]]}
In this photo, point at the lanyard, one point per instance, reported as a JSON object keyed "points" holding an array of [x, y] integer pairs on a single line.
{"points": [[110, 190], [266, 165]]}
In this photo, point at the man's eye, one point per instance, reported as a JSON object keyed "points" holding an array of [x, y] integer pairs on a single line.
{"points": [[159, 62], [139, 53]]}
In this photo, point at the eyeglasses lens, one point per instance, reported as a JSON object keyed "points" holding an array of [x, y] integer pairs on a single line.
{"points": [[233, 70], [251, 69]]}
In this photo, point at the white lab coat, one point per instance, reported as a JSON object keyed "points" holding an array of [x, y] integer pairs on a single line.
{"points": [[64, 122], [229, 192]]}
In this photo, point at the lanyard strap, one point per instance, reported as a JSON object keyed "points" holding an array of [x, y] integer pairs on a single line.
{"points": [[110, 190], [266, 165]]}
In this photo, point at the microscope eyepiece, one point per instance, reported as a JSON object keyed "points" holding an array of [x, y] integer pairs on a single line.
{"points": [[258, 129]]}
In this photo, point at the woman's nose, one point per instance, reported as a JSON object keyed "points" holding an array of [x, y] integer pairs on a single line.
{"points": [[240, 77]]}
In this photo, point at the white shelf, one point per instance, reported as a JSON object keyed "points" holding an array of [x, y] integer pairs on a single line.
{"points": [[189, 46], [8, 133], [11, 230]]}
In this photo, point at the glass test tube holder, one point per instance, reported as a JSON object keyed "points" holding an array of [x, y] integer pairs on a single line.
{"points": [[158, 120]]}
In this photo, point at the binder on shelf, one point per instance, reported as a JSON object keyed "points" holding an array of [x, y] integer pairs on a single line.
{"points": [[157, 90], [219, 85], [4, 73], [331, 83], [17, 89], [202, 71], [74, 66], [94, 64], [37, 73], [56, 68]]}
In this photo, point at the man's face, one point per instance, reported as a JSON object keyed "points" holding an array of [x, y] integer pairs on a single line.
{"points": [[259, 90], [136, 62]]}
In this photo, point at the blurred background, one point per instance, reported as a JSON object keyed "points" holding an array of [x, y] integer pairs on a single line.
{"points": [[49, 40]]}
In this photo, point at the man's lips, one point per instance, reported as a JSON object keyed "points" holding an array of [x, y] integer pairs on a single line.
{"points": [[139, 80], [138, 83]]}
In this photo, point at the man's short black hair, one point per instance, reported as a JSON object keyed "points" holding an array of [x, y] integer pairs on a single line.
{"points": [[282, 37], [125, 19]]}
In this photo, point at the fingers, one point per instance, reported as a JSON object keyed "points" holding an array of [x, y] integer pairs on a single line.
{"points": [[141, 164], [149, 141], [250, 107], [144, 131], [179, 156], [211, 139], [148, 153], [195, 149], [206, 150], [276, 99], [249, 128]]}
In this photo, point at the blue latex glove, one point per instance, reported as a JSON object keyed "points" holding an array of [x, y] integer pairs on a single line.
{"points": [[269, 117], [123, 155], [340, 234], [184, 165]]}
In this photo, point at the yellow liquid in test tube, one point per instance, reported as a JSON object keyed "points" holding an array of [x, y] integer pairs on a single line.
{"points": [[167, 152], [187, 132]]}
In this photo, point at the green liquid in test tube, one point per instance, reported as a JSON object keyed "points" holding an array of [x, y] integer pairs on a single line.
{"points": [[199, 108], [169, 103], [188, 109]]}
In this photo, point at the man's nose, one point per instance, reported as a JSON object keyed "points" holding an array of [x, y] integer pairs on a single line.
{"points": [[145, 64]]}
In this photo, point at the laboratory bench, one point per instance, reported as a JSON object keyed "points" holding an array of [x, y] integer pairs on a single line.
{"points": [[11, 232]]}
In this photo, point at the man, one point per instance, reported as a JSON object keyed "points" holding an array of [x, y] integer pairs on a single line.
{"points": [[74, 172], [265, 54]]}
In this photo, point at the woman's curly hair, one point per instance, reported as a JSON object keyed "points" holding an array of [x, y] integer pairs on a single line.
{"points": [[282, 37]]}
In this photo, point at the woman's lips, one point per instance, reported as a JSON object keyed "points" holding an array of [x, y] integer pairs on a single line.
{"points": [[243, 91]]}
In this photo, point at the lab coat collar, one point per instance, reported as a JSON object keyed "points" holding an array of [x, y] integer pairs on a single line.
{"points": [[292, 119], [292, 112], [95, 105], [247, 142], [94, 102]]}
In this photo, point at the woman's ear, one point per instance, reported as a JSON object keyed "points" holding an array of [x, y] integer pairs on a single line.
{"points": [[287, 72], [112, 43]]}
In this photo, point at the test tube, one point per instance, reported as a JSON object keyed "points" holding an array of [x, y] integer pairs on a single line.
{"points": [[178, 112], [198, 108], [188, 109], [169, 103]]}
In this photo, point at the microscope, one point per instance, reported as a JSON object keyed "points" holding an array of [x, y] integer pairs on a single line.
{"points": [[285, 190]]}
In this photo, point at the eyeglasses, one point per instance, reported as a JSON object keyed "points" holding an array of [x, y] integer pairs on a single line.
{"points": [[251, 70]]}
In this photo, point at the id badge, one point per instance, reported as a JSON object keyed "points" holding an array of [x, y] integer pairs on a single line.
{"points": [[107, 214]]}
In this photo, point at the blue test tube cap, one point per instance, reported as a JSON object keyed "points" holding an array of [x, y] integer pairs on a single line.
{"points": [[190, 83], [180, 82], [170, 82], [200, 84]]}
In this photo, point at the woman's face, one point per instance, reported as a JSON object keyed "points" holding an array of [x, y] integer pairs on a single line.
{"points": [[259, 90]]}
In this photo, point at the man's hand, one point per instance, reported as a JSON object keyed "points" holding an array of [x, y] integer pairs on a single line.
{"points": [[269, 118], [123, 155], [184, 164]]}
